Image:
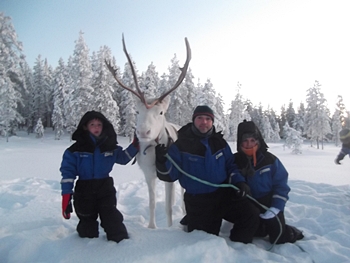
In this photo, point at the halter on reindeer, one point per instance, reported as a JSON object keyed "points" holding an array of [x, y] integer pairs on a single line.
{"points": [[152, 129]]}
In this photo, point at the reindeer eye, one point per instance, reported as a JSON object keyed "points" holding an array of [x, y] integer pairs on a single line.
{"points": [[137, 112], [161, 113]]}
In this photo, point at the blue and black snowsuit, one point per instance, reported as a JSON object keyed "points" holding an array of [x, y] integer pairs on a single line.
{"points": [[268, 182], [210, 159], [91, 160]]}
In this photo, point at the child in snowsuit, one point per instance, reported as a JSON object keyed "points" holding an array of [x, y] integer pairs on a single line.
{"points": [[91, 159], [345, 149], [268, 182]]}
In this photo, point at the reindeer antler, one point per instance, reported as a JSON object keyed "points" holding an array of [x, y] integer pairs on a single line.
{"points": [[114, 73], [139, 93], [182, 75]]}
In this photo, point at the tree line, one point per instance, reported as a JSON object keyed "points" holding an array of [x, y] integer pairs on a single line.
{"points": [[45, 97]]}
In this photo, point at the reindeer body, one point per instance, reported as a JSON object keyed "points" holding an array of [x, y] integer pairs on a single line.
{"points": [[152, 129]]}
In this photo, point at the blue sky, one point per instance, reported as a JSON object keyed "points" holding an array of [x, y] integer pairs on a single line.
{"points": [[275, 49]]}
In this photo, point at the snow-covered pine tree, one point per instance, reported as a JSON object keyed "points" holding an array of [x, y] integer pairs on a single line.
{"points": [[290, 114], [200, 97], [48, 93], [163, 84], [275, 136], [220, 120], [28, 106], [266, 128], [70, 121], [293, 139], [324, 122], [191, 97], [39, 90], [103, 87], [59, 86], [237, 114], [39, 129], [257, 115], [342, 110], [178, 97], [149, 82], [208, 94], [81, 73], [282, 120], [336, 126], [317, 124], [299, 118], [127, 104], [11, 77], [8, 105]]}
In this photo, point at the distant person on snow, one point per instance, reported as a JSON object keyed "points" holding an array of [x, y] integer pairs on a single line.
{"points": [[202, 152], [91, 158], [268, 182], [344, 135]]}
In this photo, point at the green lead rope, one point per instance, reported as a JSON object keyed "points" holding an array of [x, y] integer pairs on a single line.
{"points": [[226, 185]]}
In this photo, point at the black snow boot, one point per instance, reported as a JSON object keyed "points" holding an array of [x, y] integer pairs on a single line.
{"points": [[293, 234]]}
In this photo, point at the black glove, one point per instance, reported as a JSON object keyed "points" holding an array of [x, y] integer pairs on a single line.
{"points": [[337, 161], [243, 191], [161, 151], [135, 142]]}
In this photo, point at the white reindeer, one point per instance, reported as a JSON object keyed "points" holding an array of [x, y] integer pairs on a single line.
{"points": [[152, 129]]}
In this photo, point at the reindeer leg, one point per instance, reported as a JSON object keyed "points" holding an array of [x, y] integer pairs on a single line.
{"points": [[169, 201], [183, 201], [151, 183]]}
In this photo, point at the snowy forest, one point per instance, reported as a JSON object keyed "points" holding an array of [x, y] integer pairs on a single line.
{"points": [[42, 97]]}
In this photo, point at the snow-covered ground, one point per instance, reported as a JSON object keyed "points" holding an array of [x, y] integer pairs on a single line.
{"points": [[33, 230]]}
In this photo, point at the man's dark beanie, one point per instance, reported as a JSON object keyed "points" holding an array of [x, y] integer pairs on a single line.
{"points": [[203, 110]]}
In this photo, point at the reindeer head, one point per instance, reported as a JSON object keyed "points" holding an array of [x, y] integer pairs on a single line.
{"points": [[150, 119]]}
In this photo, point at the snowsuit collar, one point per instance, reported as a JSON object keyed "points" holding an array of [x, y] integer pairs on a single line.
{"points": [[107, 140], [250, 127]]}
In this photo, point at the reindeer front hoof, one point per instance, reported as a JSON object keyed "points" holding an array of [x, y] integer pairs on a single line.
{"points": [[152, 226]]}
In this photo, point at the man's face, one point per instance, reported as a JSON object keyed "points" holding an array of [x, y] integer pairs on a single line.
{"points": [[95, 127], [203, 123]]}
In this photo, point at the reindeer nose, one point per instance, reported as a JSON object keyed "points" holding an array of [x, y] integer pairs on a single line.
{"points": [[143, 134]]}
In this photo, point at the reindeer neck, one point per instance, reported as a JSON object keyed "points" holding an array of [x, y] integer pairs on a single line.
{"points": [[163, 137]]}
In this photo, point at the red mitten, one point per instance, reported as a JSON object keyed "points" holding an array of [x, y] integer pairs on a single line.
{"points": [[67, 205]]}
